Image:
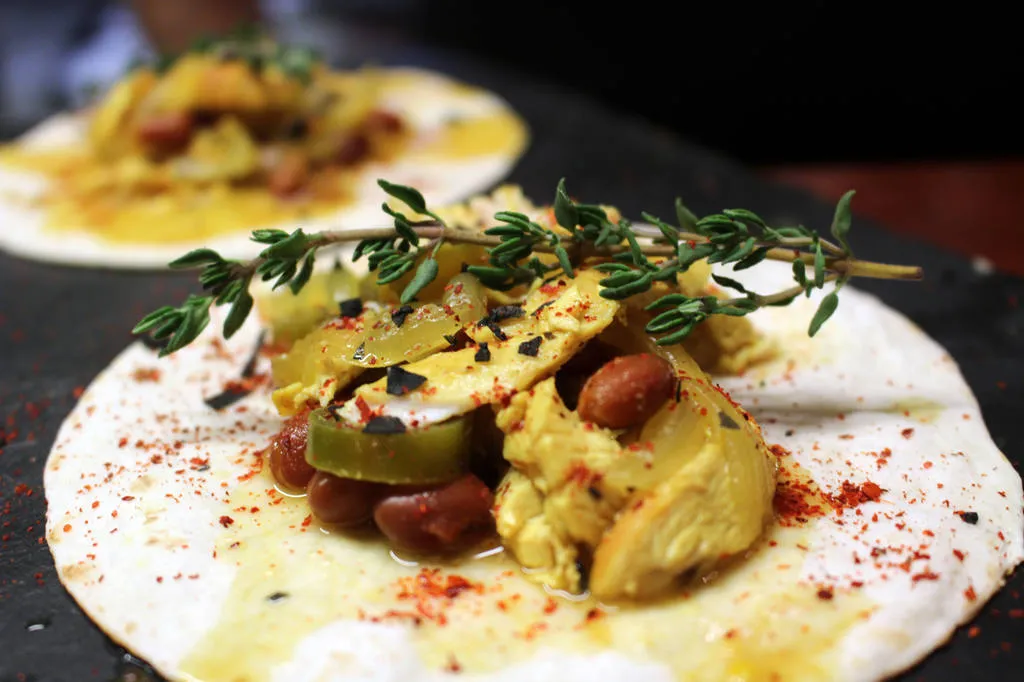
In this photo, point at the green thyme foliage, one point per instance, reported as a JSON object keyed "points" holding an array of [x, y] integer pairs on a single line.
{"points": [[685, 313], [392, 257], [177, 327], [735, 237], [512, 261], [251, 44], [742, 239], [288, 258]]}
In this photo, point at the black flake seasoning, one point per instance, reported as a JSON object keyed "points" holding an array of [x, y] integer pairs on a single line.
{"points": [[549, 335], [359, 353], [594, 493], [250, 364], [225, 399], [495, 329], [398, 317], [968, 517], [542, 306], [130, 668], [384, 426], [727, 422], [506, 312], [233, 395], [500, 314], [679, 391], [531, 347], [277, 596], [352, 307], [333, 411], [483, 353], [458, 340], [790, 432], [401, 381]]}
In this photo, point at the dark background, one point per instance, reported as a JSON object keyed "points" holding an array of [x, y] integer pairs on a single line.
{"points": [[765, 83], [776, 82]]}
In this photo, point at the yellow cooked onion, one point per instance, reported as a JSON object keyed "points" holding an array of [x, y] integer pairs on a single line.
{"points": [[292, 316], [222, 152], [423, 329]]}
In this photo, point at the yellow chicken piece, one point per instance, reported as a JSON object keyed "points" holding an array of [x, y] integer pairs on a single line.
{"points": [[458, 384], [724, 344], [694, 488], [313, 369]]}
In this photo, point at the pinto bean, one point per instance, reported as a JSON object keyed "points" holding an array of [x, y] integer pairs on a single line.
{"points": [[436, 520], [626, 391], [342, 501], [166, 131], [289, 174], [288, 454], [570, 379], [352, 150], [383, 121]]}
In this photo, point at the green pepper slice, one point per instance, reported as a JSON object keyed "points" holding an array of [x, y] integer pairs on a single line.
{"points": [[433, 454]]}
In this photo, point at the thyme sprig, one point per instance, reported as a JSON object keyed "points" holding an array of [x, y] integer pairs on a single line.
{"points": [[586, 233]]}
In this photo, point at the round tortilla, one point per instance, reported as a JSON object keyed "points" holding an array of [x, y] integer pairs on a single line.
{"points": [[427, 104], [171, 538]]}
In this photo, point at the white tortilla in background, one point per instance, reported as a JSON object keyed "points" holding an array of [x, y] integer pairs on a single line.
{"points": [[178, 562], [426, 105]]}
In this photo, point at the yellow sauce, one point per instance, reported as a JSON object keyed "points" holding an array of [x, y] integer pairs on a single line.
{"points": [[183, 213], [46, 162], [755, 622], [919, 409], [502, 133], [186, 215]]}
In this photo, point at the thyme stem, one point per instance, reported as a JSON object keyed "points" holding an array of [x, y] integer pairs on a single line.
{"points": [[434, 230], [584, 234], [778, 297]]}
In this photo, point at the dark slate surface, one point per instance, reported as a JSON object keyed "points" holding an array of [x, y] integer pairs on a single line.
{"points": [[60, 326]]}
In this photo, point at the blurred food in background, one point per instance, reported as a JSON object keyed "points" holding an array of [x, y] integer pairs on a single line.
{"points": [[65, 53], [238, 133]]}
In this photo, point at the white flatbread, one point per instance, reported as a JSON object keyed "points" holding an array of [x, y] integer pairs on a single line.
{"points": [[172, 560], [426, 106]]}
